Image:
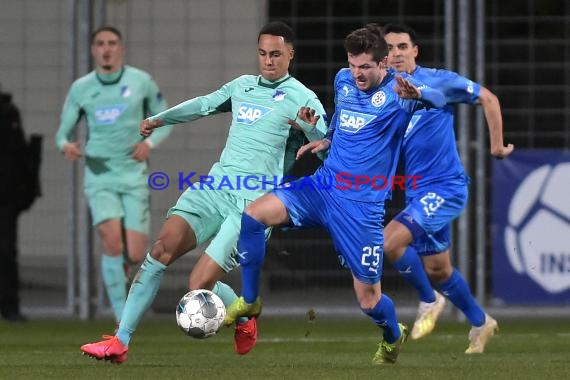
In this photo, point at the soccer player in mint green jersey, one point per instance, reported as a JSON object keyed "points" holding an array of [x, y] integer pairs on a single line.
{"points": [[114, 98], [422, 229], [264, 135]]}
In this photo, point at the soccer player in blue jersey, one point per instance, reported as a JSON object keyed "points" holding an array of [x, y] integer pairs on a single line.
{"points": [[440, 193], [346, 194], [114, 98], [261, 146]]}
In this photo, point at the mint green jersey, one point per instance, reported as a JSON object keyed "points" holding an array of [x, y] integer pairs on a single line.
{"points": [[113, 105], [260, 143]]}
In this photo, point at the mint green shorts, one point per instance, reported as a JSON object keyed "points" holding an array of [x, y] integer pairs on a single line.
{"points": [[215, 215], [132, 207]]}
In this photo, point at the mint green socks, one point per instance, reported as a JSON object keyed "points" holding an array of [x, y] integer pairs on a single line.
{"points": [[115, 281], [141, 295]]}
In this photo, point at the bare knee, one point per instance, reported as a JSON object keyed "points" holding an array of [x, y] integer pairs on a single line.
{"points": [[249, 210], [438, 266], [396, 239], [391, 250], [268, 210], [439, 274], [368, 303], [159, 252], [367, 295], [111, 234], [256, 212], [136, 246], [113, 247], [112, 242], [174, 240]]}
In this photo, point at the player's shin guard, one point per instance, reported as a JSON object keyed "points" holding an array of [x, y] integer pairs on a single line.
{"points": [[384, 315], [142, 293], [114, 279], [251, 254], [411, 268], [457, 291]]}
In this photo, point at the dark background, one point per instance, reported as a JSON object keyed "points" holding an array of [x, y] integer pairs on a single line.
{"points": [[527, 65]]}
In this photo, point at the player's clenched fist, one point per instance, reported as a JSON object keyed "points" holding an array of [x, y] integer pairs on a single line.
{"points": [[72, 151], [146, 126]]}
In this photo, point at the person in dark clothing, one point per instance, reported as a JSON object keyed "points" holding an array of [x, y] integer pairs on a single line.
{"points": [[18, 172]]}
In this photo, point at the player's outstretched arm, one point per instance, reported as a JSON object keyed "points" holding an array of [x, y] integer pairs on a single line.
{"points": [[492, 110]]}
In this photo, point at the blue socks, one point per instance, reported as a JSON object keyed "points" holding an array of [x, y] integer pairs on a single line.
{"points": [[457, 290], [384, 315], [411, 268], [251, 254], [142, 293], [115, 281]]}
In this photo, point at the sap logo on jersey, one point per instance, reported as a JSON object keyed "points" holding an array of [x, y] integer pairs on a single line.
{"points": [[354, 121], [109, 114], [249, 113]]}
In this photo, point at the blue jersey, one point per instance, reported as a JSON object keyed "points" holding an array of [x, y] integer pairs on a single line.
{"points": [[429, 151], [368, 130]]}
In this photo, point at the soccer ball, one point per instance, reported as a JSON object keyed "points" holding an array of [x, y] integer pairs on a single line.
{"points": [[200, 313], [538, 235]]}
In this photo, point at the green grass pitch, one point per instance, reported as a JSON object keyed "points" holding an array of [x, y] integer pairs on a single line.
{"points": [[288, 348]]}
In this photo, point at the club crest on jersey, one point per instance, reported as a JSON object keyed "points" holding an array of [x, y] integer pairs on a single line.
{"points": [[249, 113], [125, 91], [279, 95], [378, 99], [354, 121], [106, 115]]}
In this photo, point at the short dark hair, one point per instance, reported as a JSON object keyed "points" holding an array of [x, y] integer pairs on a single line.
{"points": [[401, 28], [368, 39], [106, 28], [278, 28]]}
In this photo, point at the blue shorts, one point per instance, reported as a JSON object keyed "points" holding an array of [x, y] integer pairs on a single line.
{"points": [[429, 215], [356, 228]]}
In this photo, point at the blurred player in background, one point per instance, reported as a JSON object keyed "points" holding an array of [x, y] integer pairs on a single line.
{"points": [[368, 126], [439, 194], [114, 98], [261, 146]]}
